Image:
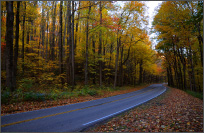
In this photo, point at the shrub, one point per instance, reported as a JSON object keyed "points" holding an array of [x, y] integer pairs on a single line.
{"points": [[92, 92], [31, 96], [5, 97], [26, 84], [195, 94]]}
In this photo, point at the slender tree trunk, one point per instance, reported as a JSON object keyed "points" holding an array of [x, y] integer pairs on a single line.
{"points": [[121, 67], [9, 45], [60, 43], [184, 69], [23, 40], [65, 25], [43, 29], [77, 26], [60, 40], [16, 44], [116, 61], [53, 30], [73, 73], [87, 43], [47, 36], [69, 42], [111, 50], [100, 48], [93, 49], [192, 70]]}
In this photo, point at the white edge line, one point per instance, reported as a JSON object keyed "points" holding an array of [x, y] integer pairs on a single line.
{"points": [[121, 110]]}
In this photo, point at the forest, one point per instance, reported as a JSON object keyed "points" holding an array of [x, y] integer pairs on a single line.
{"points": [[66, 46]]}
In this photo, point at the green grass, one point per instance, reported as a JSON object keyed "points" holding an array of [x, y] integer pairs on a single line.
{"points": [[195, 94]]}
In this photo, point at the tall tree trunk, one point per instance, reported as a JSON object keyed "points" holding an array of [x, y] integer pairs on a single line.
{"points": [[23, 40], [43, 29], [73, 73], [65, 25], [60, 43], [116, 61], [94, 67], [192, 70], [184, 68], [16, 44], [60, 40], [9, 45], [68, 72], [121, 67], [47, 36], [87, 43], [200, 40], [77, 26], [100, 47], [53, 30], [111, 50]]}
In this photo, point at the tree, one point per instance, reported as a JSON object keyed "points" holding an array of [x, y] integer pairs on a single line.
{"points": [[60, 44], [23, 40], [179, 43], [16, 44], [53, 30], [87, 43], [9, 46]]}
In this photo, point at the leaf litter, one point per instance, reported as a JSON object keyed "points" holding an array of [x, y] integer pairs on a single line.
{"points": [[173, 111]]}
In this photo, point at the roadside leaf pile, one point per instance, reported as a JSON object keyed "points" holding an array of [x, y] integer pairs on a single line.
{"points": [[174, 111]]}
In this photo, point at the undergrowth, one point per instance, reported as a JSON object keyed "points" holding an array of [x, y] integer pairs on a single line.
{"points": [[195, 94], [25, 93]]}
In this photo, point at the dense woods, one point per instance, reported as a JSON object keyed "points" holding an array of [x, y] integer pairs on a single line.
{"points": [[60, 45], [63, 44], [179, 26]]}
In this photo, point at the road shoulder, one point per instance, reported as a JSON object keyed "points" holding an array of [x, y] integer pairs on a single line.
{"points": [[173, 111]]}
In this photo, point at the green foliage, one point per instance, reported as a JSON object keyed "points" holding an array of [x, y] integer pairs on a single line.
{"points": [[86, 90], [5, 97], [18, 94], [31, 96], [195, 94], [92, 92], [26, 84]]}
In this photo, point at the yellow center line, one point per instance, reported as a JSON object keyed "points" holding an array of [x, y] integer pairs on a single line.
{"points": [[9, 124]]}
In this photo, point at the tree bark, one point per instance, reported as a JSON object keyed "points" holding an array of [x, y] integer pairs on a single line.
{"points": [[77, 26], [53, 30], [16, 44], [73, 73], [69, 42], [100, 47], [46, 54], [9, 45], [116, 61], [23, 40], [60, 41], [87, 43], [43, 29]]}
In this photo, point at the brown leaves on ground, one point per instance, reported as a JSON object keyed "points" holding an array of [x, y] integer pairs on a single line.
{"points": [[35, 105], [174, 111]]}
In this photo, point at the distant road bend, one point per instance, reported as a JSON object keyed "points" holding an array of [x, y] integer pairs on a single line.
{"points": [[79, 116]]}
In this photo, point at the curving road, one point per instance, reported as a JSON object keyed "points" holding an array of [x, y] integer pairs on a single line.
{"points": [[79, 116]]}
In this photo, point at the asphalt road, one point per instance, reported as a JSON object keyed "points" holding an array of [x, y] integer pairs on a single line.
{"points": [[79, 116]]}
